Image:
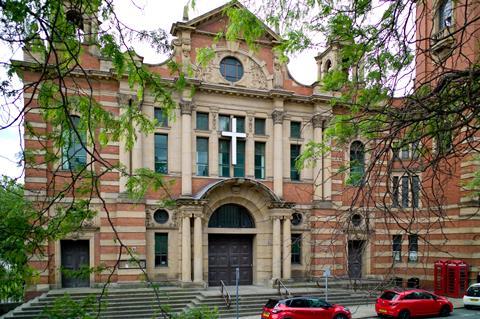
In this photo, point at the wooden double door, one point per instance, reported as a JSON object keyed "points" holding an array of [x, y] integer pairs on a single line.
{"points": [[225, 254], [75, 255]]}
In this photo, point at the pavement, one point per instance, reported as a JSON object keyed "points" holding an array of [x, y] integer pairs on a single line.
{"points": [[368, 311]]}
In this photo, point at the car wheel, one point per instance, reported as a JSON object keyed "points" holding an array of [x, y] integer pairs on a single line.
{"points": [[404, 314], [444, 311], [340, 316]]}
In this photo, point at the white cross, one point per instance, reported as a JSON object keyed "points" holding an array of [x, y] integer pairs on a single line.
{"points": [[233, 134]]}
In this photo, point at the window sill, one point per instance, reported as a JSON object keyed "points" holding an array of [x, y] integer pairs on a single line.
{"points": [[442, 43]]}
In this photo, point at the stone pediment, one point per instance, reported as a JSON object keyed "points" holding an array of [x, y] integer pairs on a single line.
{"points": [[255, 75]]}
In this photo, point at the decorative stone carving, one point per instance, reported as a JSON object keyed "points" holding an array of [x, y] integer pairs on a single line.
{"points": [[214, 120], [254, 76], [280, 204], [258, 78], [148, 219], [320, 121], [277, 73], [278, 116], [123, 99], [186, 107]]}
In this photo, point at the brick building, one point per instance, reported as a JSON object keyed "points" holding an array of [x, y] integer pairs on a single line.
{"points": [[239, 200]]}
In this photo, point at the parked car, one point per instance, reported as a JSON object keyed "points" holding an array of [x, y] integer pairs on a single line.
{"points": [[472, 297], [303, 308], [412, 303]]}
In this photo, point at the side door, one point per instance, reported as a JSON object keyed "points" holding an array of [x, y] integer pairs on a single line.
{"points": [[299, 308], [411, 303], [319, 309], [430, 306]]}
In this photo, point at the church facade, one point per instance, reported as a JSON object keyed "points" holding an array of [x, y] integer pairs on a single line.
{"points": [[239, 200]]}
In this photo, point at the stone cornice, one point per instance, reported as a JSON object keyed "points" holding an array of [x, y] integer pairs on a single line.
{"points": [[280, 204]]}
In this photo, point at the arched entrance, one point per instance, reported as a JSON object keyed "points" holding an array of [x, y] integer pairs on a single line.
{"points": [[229, 250]]}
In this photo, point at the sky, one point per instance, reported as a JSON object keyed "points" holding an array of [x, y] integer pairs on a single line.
{"points": [[142, 14]]}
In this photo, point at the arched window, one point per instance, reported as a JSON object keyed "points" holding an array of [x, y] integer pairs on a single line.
{"points": [[74, 154], [357, 162], [445, 14], [231, 216], [231, 69], [327, 66]]}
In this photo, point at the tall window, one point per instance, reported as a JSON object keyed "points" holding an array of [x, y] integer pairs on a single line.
{"points": [[397, 247], [294, 153], [406, 191], [296, 255], [231, 69], [445, 14], [202, 156], [224, 158], [202, 121], [160, 116], [259, 160], [161, 153], [240, 124], [161, 249], [259, 126], [357, 162], [412, 248], [224, 123], [239, 169], [295, 129], [74, 154]]}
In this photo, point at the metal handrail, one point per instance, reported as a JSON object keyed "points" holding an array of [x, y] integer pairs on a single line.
{"points": [[225, 294], [280, 285]]}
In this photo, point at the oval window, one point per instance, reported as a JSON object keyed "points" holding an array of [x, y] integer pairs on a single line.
{"points": [[297, 219], [231, 69], [356, 220], [160, 216]]}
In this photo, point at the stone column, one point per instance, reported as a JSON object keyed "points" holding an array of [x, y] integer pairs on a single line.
{"points": [[186, 110], [287, 248], [278, 152], [186, 250], [125, 155], [327, 167], [197, 250], [318, 169], [250, 148], [276, 253], [213, 145]]}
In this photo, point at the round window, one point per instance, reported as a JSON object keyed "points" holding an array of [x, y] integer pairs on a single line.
{"points": [[296, 219], [160, 216], [231, 69], [356, 220]]}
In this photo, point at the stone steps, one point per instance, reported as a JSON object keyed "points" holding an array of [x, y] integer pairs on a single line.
{"points": [[143, 303]]}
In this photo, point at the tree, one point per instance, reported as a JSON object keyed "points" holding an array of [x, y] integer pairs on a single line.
{"points": [[409, 81], [54, 34]]}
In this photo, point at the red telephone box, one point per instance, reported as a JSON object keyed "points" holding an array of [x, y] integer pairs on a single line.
{"points": [[457, 278], [440, 277]]}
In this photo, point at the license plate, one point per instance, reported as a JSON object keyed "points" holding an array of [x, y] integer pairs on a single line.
{"points": [[382, 310], [471, 299]]}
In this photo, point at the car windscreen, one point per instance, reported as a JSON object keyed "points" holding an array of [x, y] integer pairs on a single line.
{"points": [[473, 291], [271, 303], [389, 295]]}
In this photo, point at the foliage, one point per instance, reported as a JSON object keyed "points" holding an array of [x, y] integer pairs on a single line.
{"points": [[198, 313], [65, 307]]}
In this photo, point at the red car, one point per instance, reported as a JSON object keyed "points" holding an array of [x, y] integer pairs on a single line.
{"points": [[412, 303], [304, 308]]}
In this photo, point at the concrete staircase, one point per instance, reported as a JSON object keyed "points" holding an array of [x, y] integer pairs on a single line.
{"points": [[143, 302]]}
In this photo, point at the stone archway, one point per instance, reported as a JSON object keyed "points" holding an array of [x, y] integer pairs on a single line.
{"points": [[227, 252]]}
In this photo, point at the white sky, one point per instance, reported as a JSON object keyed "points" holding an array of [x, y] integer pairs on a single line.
{"points": [[145, 14]]}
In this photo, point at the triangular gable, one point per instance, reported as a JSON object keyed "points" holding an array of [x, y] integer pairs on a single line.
{"points": [[214, 14]]}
